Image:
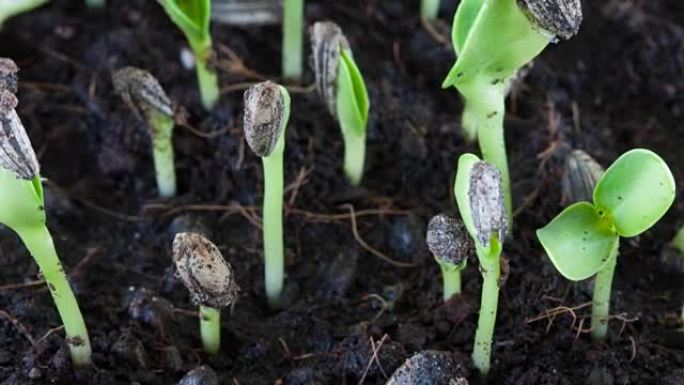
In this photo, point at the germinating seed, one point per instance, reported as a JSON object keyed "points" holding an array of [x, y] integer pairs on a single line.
{"points": [[561, 18], [326, 41], [448, 239], [141, 92], [487, 202], [264, 115]]}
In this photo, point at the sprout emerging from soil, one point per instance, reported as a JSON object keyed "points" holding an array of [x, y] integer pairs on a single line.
{"points": [[672, 255], [429, 367], [293, 14], [193, 18], [583, 240], [580, 176], [480, 199], [340, 84], [493, 40], [429, 9], [210, 280], [267, 110], [143, 94], [22, 210], [448, 240], [10, 8]]}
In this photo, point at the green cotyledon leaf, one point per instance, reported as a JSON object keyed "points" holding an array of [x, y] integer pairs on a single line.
{"points": [[352, 96], [578, 241], [635, 191]]}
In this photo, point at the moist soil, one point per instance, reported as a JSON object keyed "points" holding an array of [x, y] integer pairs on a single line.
{"points": [[357, 305]]}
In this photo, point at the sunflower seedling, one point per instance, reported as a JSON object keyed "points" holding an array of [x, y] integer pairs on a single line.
{"points": [[210, 280], [583, 240], [480, 198], [267, 110], [340, 85], [148, 101], [10, 8], [22, 209], [193, 18], [293, 15], [493, 40], [449, 242]]}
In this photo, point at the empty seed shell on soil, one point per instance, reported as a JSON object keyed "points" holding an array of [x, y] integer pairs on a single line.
{"points": [[487, 202], [580, 175], [264, 117], [204, 271], [430, 367], [141, 92], [560, 18], [327, 40], [16, 152], [448, 239]]}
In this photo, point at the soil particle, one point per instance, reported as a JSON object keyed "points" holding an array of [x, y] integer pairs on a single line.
{"points": [[430, 367]]}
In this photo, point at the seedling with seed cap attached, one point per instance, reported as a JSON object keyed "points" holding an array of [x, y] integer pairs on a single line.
{"points": [[147, 99], [480, 198], [210, 280], [493, 39], [339, 83], [267, 110], [193, 18], [449, 242], [582, 241], [22, 208]]}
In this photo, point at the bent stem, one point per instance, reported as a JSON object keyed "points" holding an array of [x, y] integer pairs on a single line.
{"points": [[429, 9], [162, 152], [210, 329], [354, 156], [451, 278], [293, 14], [600, 306], [489, 264], [206, 78], [273, 225], [40, 245]]}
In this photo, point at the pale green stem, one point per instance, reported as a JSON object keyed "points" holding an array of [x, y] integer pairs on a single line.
{"points": [[678, 241], [600, 306], [354, 156], [162, 152], [210, 329], [273, 226], [469, 122], [293, 15], [429, 9], [206, 78], [40, 245], [482, 349], [451, 278], [12, 8], [488, 108], [96, 3]]}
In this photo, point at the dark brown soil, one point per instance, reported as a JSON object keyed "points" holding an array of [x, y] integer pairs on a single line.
{"points": [[618, 85]]}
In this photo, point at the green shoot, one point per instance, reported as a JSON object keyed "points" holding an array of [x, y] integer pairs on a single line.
{"points": [[95, 3], [267, 110], [293, 15], [479, 195], [340, 84], [22, 209], [451, 246], [429, 9], [672, 255], [582, 241], [493, 40], [210, 280], [193, 17], [10, 8], [147, 99]]}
